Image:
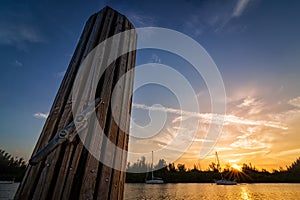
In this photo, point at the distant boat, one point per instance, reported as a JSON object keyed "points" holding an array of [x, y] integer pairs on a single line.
{"points": [[223, 181], [154, 180]]}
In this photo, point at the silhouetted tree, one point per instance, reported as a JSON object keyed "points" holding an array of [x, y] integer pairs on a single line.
{"points": [[214, 167], [171, 167], [161, 164], [181, 174], [10, 167], [295, 167], [181, 168], [195, 169]]}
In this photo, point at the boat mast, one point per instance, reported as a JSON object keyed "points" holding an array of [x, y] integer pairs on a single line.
{"points": [[152, 167], [218, 160], [218, 166]]}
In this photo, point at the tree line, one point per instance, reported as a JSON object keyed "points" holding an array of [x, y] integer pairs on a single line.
{"points": [[11, 168], [179, 173]]}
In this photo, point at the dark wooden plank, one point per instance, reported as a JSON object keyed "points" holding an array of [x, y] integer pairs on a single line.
{"points": [[26, 190], [91, 166], [126, 135], [48, 173], [92, 163], [119, 162], [105, 183], [70, 172], [80, 147], [70, 168], [128, 100]]}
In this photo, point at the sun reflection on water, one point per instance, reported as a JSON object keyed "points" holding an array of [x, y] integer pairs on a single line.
{"points": [[244, 194]]}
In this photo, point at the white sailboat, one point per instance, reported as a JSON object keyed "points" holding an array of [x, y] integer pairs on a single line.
{"points": [[223, 181], [154, 180]]}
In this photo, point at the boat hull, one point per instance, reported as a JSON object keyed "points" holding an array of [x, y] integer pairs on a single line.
{"points": [[225, 182], [154, 181]]}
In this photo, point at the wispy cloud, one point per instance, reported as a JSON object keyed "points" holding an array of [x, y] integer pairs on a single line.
{"points": [[19, 35], [219, 149], [240, 120], [247, 143], [247, 133], [295, 102], [19, 28], [247, 102], [60, 74], [207, 117], [17, 63], [289, 114], [288, 152], [194, 25], [251, 104], [240, 8], [202, 140], [250, 153], [40, 115], [141, 20]]}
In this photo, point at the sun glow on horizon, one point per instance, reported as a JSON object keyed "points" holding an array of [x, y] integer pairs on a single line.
{"points": [[236, 167]]}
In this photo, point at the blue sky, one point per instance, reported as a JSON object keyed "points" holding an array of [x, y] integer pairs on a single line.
{"points": [[254, 43]]}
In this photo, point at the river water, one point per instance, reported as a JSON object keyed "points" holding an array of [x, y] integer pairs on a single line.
{"points": [[195, 191], [7, 191]]}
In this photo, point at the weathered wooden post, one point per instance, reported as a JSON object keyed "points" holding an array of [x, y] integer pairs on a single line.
{"points": [[63, 168]]}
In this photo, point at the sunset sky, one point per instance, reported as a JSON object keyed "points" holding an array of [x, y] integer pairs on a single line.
{"points": [[254, 43]]}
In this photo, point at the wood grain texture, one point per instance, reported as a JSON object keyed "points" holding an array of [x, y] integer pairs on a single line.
{"points": [[70, 171]]}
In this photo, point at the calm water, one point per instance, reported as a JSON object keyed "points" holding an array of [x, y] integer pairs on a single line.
{"points": [[194, 191], [211, 191], [7, 191]]}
